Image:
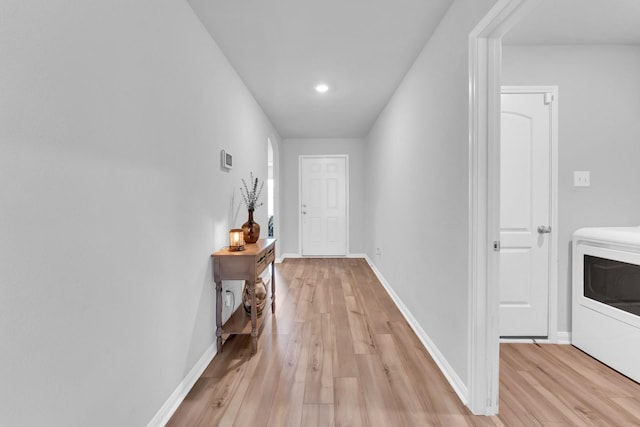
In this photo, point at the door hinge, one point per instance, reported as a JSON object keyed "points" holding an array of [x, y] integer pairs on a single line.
{"points": [[548, 98], [496, 246]]}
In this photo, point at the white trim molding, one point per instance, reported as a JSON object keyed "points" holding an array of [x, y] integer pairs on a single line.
{"points": [[563, 337], [485, 42], [289, 255], [292, 255], [167, 410]]}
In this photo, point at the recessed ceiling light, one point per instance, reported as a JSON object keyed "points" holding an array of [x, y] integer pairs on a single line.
{"points": [[321, 88]]}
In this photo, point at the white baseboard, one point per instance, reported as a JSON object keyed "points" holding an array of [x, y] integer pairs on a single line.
{"points": [[359, 256], [452, 377], [165, 413], [292, 255], [289, 255], [564, 337]]}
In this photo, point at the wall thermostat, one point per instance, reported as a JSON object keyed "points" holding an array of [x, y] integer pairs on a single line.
{"points": [[227, 159]]}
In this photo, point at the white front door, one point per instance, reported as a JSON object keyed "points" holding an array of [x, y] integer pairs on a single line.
{"points": [[525, 214], [323, 205]]}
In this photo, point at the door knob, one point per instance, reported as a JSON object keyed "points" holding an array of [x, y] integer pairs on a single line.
{"points": [[543, 230]]}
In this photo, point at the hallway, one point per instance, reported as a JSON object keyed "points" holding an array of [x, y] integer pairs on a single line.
{"points": [[338, 352]]}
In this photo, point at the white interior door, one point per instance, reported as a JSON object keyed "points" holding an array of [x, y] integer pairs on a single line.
{"points": [[323, 205], [525, 214]]}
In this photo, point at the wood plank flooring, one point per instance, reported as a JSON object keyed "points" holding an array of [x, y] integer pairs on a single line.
{"points": [[338, 352]]}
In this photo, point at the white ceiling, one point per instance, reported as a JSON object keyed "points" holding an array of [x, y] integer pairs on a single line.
{"points": [[579, 22], [282, 48], [363, 49]]}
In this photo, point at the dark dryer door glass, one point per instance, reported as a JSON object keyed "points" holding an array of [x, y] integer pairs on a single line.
{"points": [[612, 282]]}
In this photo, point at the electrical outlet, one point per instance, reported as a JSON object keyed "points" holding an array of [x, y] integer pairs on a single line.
{"points": [[581, 179]]}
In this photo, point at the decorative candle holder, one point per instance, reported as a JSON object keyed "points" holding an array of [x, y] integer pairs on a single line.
{"points": [[236, 239]]}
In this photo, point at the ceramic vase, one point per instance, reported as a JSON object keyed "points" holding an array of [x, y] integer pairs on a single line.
{"points": [[260, 290]]}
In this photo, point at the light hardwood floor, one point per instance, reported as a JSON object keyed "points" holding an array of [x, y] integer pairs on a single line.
{"points": [[338, 352]]}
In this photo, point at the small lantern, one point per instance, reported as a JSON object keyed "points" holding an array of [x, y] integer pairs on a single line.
{"points": [[236, 239]]}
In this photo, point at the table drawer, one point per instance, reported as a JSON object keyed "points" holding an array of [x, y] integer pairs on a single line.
{"points": [[234, 268], [265, 258]]}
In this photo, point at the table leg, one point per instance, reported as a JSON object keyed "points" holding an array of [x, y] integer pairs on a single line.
{"points": [[254, 317], [219, 315], [273, 287]]}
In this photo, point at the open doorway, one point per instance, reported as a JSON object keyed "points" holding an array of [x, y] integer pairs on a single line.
{"points": [[592, 69], [270, 190], [485, 43]]}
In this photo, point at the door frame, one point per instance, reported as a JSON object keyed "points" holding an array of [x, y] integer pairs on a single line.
{"points": [[275, 145], [552, 304], [485, 61], [346, 195]]}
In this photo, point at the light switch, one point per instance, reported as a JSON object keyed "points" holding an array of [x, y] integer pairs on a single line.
{"points": [[581, 179]]}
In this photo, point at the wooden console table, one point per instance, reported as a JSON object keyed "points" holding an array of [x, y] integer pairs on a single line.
{"points": [[244, 265]]}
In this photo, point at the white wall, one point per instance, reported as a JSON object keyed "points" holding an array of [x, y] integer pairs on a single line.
{"points": [[290, 152], [112, 118], [417, 186], [599, 131]]}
